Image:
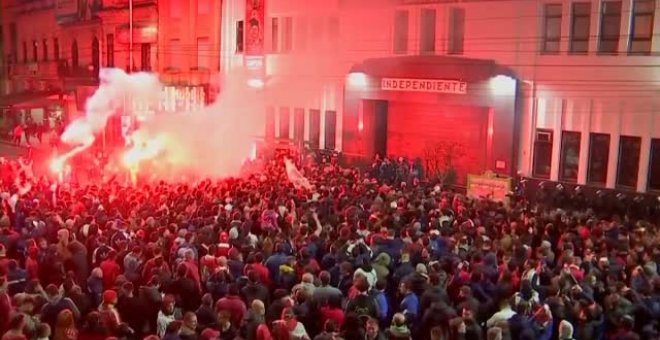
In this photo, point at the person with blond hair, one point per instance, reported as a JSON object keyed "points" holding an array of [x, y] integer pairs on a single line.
{"points": [[65, 328]]}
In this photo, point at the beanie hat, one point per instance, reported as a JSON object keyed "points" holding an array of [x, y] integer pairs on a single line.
{"points": [[109, 297]]}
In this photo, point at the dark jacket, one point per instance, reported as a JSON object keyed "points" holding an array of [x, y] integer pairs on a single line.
{"points": [[255, 291]]}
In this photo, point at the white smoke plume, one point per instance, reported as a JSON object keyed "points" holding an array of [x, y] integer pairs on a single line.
{"points": [[213, 142]]}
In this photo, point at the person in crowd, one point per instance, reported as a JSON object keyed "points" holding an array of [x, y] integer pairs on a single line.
{"points": [[65, 328], [16, 325]]}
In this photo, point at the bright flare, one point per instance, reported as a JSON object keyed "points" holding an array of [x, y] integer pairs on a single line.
{"points": [[57, 165], [142, 151]]}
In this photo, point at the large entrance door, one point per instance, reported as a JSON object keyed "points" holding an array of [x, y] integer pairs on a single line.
{"points": [[413, 129]]}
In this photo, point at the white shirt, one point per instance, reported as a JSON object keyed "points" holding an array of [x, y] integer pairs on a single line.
{"points": [[504, 314], [163, 321]]}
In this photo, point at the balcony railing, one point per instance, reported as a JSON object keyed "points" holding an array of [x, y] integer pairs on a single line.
{"points": [[42, 69], [87, 76], [186, 78]]}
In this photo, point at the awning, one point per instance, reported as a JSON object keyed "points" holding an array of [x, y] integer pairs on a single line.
{"points": [[434, 67], [27, 99]]}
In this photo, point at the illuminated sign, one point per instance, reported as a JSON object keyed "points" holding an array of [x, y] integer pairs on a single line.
{"points": [[489, 185], [142, 33], [182, 98], [424, 85], [173, 99]]}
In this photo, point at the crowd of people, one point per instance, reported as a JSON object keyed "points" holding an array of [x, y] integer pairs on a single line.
{"points": [[360, 255]]}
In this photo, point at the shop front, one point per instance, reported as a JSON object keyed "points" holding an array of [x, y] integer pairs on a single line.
{"points": [[458, 111]]}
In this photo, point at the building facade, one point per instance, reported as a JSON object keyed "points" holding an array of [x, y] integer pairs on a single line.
{"points": [[556, 90], [52, 52], [31, 86]]}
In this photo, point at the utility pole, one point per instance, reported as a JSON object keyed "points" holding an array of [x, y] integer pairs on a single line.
{"points": [[130, 33]]}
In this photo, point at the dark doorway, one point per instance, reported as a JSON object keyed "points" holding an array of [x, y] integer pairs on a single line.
{"points": [[380, 127]]}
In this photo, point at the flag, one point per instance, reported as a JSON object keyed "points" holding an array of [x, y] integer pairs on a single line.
{"points": [[295, 177]]}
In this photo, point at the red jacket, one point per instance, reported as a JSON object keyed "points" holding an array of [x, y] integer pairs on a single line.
{"points": [[5, 311], [110, 270], [264, 274], [32, 268], [234, 306], [335, 314]]}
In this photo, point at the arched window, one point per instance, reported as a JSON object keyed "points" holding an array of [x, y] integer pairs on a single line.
{"points": [[96, 57], [74, 54]]}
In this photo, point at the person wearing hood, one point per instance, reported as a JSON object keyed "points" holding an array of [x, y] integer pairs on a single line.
{"points": [[109, 314], [95, 286], [56, 303], [78, 261], [133, 264], [254, 289], [287, 273], [399, 330], [381, 264], [565, 331]]}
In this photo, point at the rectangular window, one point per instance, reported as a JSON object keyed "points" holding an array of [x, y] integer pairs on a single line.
{"points": [[56, 49], [110, 50], [203, 7], [287, 34], [175, 52], [401, 32], [570, 156], [284, 123], [299, 124], [314, 128], [629, 149], [427, 31], [330, 129], [35, 51], [551, 28], [542, 153], [240, 36], [203, 53], [45, 49], [654, 165], [641, 27], [599, 156], [13, 38], [301, 34], [610, 27], [274, 35], [580, 27], [145, 55], [456, 31], [270, 123]]}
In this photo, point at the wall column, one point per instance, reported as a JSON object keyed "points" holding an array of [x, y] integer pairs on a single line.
{"points": [[645, 153], [560, 107], [613, 161], [585, 133]]}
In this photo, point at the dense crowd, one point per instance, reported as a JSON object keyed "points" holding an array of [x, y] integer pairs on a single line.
{"points": [[362, 255]]}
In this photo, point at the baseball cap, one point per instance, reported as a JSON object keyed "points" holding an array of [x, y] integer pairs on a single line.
{"points": [[210, 334]]}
